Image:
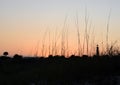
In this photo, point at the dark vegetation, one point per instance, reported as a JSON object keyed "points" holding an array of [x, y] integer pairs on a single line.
{"points": [[58, 70]]}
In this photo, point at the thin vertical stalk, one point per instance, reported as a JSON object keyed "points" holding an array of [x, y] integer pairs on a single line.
{"points": [[67, 43], [78, 35], [49, 43], [107, 34], [63, 38], [86, 32], [43, 43], [37, 49], [55, 43]]}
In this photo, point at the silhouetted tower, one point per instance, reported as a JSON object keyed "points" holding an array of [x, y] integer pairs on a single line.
{"points": [[97, 50]]}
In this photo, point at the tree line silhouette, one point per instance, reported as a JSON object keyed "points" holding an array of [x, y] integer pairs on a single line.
{"points": [[21, 70]]}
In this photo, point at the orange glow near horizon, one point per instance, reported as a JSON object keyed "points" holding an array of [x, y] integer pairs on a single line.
{"points": [[24, 39], [32, 28]]}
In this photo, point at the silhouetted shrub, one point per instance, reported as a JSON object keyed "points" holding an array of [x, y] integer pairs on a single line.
{"points": [[16, 56], [5, 53]]}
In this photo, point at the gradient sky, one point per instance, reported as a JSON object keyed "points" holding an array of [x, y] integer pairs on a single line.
{"points": [[25, 22]]}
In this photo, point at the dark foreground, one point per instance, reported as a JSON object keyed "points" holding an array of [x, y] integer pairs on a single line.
{"points": [[57, 70]]}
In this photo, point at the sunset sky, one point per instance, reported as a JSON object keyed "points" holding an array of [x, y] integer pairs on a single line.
{"points": [[27, 25]]}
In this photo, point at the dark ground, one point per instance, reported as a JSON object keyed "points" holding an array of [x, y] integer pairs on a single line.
{"points": [[58, 70]]}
